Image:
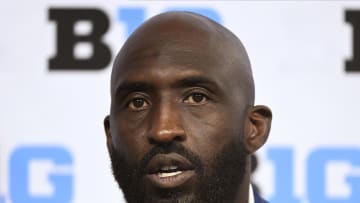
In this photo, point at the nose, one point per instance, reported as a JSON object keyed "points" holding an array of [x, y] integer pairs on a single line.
{"points": [[166, 125]]}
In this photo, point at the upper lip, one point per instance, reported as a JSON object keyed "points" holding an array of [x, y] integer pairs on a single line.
{"points": [[168, 163]]}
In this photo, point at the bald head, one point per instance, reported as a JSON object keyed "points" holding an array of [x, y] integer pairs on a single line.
{"points": [[185, 38]]}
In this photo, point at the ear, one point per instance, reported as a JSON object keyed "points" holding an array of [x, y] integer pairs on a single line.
{"points": [[108, 134], [258, 125]]}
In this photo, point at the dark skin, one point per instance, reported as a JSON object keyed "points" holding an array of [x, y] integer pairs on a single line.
{"points": [[181, 79]]}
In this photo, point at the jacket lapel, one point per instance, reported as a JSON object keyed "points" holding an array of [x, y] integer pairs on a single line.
{"points": [[257, 198]]}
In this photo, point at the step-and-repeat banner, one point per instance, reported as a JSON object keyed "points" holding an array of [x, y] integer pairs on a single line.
{"points": [[54, 93]]}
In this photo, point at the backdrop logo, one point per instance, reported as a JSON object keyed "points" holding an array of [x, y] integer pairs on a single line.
{"points": [[48, 165], [353, 17], [68, 38], [318, 165]]}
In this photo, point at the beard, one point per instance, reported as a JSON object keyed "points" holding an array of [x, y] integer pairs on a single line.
{"points": [[216, 183]]}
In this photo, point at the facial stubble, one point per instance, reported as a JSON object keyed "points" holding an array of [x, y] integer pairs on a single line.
{"points": [[217, 182]]}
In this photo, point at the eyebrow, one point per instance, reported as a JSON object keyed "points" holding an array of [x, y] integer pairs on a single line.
{"points": [[193, 81], [127, 87], [140, 86]]}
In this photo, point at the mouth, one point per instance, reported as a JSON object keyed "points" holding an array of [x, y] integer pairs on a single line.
{"points": [[169, 170]]}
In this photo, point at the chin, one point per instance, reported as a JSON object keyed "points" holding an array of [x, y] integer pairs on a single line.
{"points": [[178, 199]]}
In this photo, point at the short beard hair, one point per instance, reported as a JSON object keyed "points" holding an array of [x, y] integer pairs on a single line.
{"points": [[216, 184]]}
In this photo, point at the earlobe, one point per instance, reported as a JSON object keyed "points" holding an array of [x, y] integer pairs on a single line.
{"points": [[258, 125], [107, 133]]}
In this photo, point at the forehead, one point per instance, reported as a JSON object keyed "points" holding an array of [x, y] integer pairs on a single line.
{"points": [[170, 68], [169, 57]]}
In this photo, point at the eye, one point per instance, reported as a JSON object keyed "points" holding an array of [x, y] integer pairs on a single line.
{"points": [[138, 104], [196, 98]]}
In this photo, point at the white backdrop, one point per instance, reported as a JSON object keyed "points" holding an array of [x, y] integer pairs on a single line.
{"points": [[52, 143]]}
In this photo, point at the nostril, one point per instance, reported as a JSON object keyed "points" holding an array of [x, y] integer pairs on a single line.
{"points": [[179, 138]]}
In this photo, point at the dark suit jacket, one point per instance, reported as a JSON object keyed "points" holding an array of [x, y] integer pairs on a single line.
{"points": [[258, 199]]}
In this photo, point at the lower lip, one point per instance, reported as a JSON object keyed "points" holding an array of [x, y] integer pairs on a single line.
{"points": [[171, 181]]}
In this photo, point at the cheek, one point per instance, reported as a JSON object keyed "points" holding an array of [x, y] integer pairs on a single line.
{"points": [[208, 133], [129, 139]]}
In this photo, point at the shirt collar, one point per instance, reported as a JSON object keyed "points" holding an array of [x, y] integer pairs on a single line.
{"points": [[251, 195]]}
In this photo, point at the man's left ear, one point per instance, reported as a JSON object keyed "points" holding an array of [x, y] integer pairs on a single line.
{"points": [[258, 125], [108, 134]]}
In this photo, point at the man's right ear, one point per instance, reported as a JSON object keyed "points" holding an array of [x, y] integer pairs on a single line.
{"points": [[108, 133]]}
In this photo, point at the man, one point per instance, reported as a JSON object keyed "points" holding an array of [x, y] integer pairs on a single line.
{"points": [[183, 124]]}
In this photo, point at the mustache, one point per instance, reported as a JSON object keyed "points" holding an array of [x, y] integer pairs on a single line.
{"points": [[173, 147]]}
